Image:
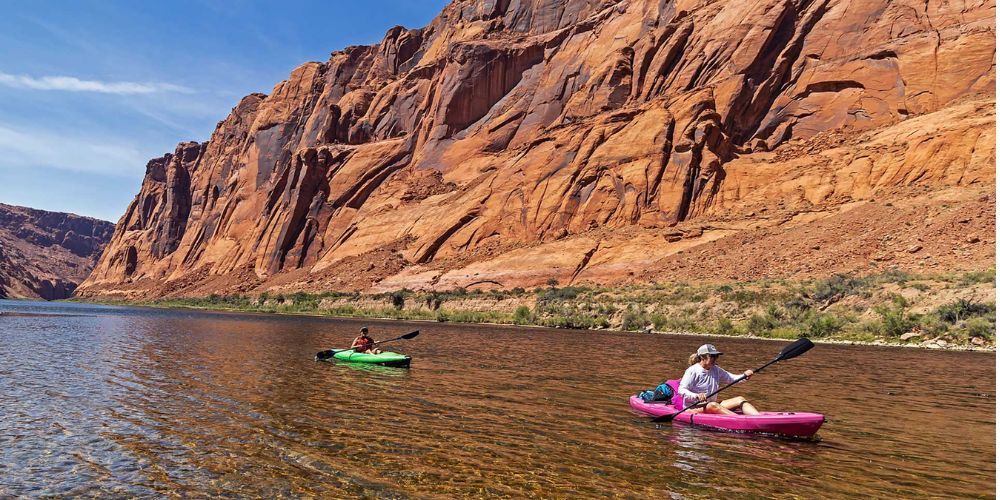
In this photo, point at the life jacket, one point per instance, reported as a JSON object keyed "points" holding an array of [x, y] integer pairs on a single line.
{"points": [[362, 344]]}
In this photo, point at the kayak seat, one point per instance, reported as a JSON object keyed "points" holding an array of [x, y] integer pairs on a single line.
{"points": [[677, 400]]}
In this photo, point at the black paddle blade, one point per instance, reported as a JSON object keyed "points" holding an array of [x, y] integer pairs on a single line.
{"points": [[794, 349], [327, 354], [666, 418], [410, 335]]}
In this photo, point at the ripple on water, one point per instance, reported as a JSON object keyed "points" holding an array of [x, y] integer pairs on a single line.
{"points": [[134, 402]]}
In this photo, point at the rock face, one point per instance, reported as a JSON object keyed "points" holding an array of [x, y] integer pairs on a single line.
{"points": [[47, 254], [517, 141]]}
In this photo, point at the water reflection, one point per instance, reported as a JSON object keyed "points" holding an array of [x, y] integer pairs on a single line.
{"points": [[128, 402]]}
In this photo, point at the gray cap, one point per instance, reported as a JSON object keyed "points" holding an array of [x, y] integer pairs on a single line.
{"points": [[708, 349]]}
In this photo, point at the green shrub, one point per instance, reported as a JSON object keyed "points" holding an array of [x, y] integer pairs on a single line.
{"points": [[758, 324], [677, 323], [433, 301], [607, 309], [975, 277], [567, 293], [895, 276], [745, 297], [899, 301], [634, 320], [823, 325], [981, 327], [398, 300], [893, 321], [932, 324], [798, 304], [523, 316], [963, 309], [658, 321], [475, 317], [577, 321], [723, 326], [837, 284]]}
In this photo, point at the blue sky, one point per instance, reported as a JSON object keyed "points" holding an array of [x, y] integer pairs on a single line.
{"points": [[90, 90]]}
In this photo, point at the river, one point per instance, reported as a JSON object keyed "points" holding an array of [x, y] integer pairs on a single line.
{"points": [[115, 401]]}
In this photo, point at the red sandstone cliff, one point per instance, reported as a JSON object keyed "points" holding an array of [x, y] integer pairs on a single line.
{"points": [[588, 140], [47, 254]]}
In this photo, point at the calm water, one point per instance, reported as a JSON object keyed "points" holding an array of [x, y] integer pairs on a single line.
{"points": [[123, 401]]}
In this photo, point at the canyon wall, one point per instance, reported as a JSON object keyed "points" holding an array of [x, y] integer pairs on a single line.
{"points": [[45, 255], [512, 142]]}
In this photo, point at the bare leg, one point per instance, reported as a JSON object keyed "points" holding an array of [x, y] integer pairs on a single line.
{"points": [[718, 409], [740, 401]]}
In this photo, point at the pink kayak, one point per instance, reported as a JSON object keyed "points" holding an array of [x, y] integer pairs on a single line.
{"points": [[797, 424]]}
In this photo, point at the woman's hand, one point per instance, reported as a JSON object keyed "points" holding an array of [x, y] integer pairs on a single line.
{"points": [[702, 396], [748, 373]]}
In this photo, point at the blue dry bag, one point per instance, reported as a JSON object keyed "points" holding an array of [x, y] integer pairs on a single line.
{"points": [[662, 392]]}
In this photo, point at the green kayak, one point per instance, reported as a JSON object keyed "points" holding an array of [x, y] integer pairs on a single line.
{"points": [[384, 359]]}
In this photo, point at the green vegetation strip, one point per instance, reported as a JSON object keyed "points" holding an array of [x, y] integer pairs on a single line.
{"points": [[892, 307]]}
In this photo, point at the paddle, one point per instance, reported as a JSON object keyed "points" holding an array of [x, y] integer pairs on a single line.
{"points": [[327, 354], [790, 351]]}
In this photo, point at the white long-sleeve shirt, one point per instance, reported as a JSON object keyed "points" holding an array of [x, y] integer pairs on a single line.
{"points": [[698, 380]]}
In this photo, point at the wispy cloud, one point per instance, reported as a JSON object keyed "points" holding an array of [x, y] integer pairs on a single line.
{"points": [[27, 149], [73, 84]]}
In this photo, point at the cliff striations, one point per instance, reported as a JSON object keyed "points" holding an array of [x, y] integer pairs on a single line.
{"points": [[512, 142], [47, 254]]}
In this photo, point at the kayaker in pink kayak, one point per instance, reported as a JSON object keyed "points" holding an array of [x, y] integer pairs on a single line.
{"points": [[704, 377]]}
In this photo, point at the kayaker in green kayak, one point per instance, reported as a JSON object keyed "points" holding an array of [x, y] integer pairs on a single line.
{"points": [[364, 344], [704, 377]]}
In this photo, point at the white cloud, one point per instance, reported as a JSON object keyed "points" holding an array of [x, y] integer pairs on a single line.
{"points": [[24, 149], [73, 84]]}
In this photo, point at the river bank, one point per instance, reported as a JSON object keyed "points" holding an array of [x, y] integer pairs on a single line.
{"points": [[949, 311]]}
